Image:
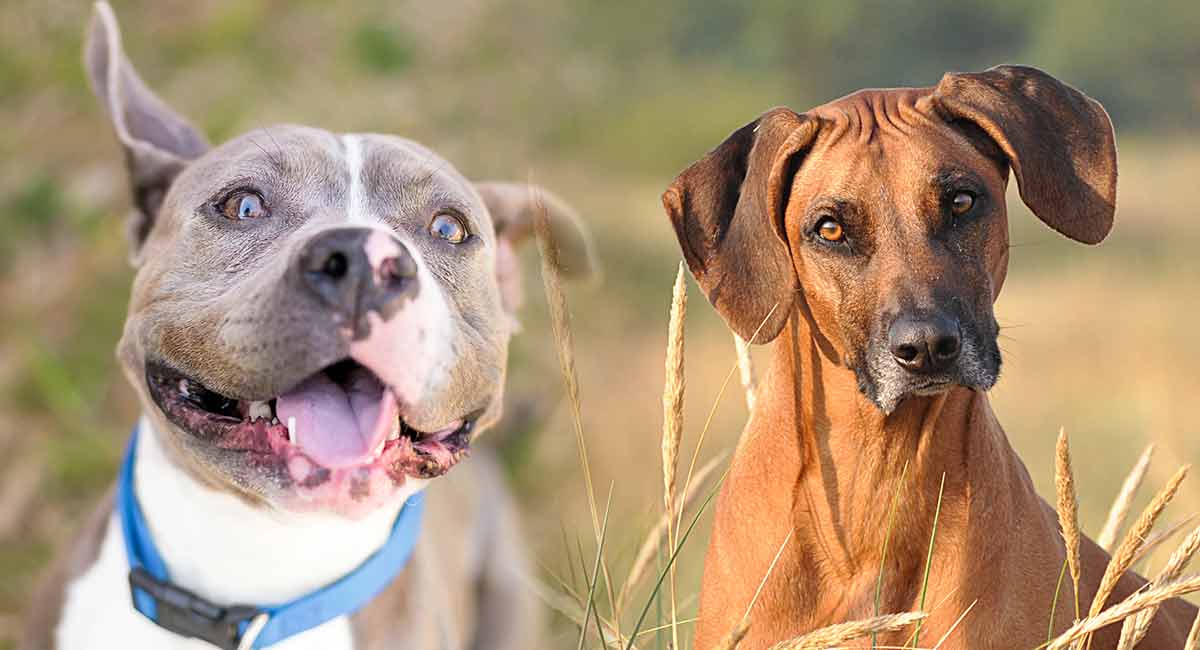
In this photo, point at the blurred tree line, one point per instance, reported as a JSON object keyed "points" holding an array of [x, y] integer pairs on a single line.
{"points": [[1141, 59]]}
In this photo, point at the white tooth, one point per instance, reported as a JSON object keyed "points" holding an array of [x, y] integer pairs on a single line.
{"points": [[395, 434], [292, 429], [259, 410], [183, 388], [275, 421], [378, 450]]}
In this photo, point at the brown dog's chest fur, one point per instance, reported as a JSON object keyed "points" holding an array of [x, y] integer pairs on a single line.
{"points": [[816, 450]]}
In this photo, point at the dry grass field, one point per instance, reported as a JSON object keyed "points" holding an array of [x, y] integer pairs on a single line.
{"points": [[1102, 341]]}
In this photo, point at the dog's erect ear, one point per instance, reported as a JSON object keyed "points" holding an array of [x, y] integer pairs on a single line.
{"points": [[1059, 143], [513, 207], [727, 210], [158, 142]]}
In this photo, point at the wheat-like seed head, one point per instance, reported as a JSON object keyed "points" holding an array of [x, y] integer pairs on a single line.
{"points": [[1135, 603], [1124, 501], [1135, 627], [1156, 538], [1122, 559], [843, 632], [673, 388], [1068, 508]]}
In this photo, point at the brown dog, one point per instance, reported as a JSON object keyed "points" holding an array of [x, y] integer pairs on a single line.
{"points": [[868, 240]]}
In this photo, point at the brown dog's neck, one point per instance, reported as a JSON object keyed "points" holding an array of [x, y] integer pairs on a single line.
{"points": [[821, 463]]}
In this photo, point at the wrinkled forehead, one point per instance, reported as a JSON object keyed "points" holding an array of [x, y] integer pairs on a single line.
{"points": [[372, 176], [891, 142]]}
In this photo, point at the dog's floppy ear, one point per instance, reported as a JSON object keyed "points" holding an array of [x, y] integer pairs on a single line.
{"points": [[158, 142], [513, 207], [727, 210], [1058, 141]]}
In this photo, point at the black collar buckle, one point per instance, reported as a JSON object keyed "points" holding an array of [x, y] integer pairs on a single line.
{"points": [[189, 615]]}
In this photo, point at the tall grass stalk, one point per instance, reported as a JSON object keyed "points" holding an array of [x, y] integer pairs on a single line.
{"points": [[672, 433], [713, 411], [937, 512], [1124, 501], [671, 560], [1054, 602], [958, 621], [746, 368], [560, 321], [887, 538], [595, 576], [653, 541]]}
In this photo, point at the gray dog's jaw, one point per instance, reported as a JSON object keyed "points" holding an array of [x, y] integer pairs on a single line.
{"points": [[251, 433]]}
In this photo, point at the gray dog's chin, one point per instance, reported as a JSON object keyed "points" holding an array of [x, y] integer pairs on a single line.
{"points": [[887, 385]]}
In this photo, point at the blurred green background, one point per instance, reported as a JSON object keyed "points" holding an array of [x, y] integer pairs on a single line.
{"points": [[603, 102]]}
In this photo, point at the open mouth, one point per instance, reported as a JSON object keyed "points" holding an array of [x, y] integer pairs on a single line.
{"points": [[340, 425]]}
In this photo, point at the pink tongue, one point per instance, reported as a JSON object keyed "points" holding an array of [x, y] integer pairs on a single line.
{"points": [[335, 425]]}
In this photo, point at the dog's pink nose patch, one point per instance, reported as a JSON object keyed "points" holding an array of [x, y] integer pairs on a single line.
{"points": [[339, 425]]}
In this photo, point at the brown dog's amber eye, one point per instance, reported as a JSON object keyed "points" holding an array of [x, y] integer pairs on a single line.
{"points": [[244, 205], [830, 230], [449, 227], [962, 203]]}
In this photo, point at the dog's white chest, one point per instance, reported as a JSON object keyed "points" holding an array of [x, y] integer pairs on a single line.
{"points": [[97, 613]]}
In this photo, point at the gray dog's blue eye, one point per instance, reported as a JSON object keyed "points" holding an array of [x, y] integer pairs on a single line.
{"points": [[244, 204], [449, 227]]}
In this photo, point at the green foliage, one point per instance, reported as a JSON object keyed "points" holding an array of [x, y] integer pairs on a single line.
{"points": [[381, 48]]}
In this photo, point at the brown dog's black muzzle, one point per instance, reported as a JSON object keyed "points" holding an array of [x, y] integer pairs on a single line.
{"points": [[335, 267]]}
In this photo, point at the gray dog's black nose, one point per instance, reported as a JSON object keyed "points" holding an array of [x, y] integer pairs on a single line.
{"points": [[358, 270], [925, 345]]}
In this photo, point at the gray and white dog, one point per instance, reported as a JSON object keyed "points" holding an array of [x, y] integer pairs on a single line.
{"points": [[318, 326]]}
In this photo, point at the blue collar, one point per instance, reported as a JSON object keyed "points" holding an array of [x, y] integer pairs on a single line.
{"points": [[245, 627]]}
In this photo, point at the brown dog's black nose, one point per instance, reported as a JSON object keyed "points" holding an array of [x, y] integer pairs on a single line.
{"points": [[357, 270], [925, 345]]}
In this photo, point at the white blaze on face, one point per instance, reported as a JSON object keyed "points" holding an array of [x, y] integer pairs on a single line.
{"points": [[411, 351]]}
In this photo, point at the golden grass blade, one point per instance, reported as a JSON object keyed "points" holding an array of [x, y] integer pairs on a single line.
{"points": [[746, 366], [1135, 603], [1135, 627], [937, 512], [560, 321], [1122, 559], [1158, 537], [1193, 640], [567, 604], [672, 433], [675, 554], [763, 583], [654, 538], [887, 539], [1068, 509], [712, 411], [958, 621], [843, 632], [1124, 501], [595, 576]]}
